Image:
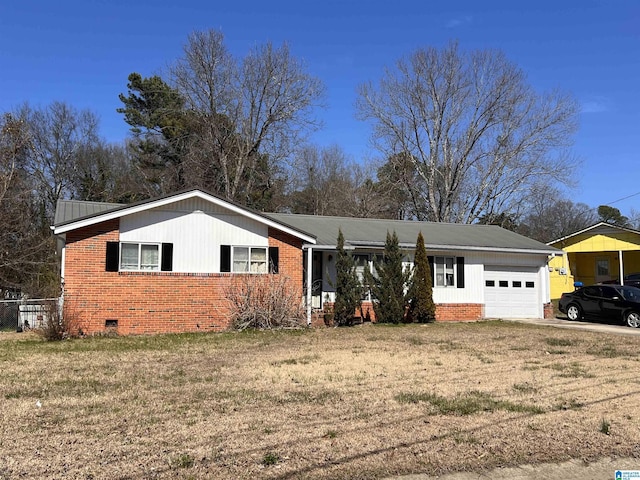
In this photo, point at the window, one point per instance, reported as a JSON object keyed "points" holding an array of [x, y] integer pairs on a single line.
{"points": [[529, 284], [516, 284], [602, 267], [444, 272], [139, 256], [250, 259], [364, 261], [490, 283], [503, 283], [609, 292]]}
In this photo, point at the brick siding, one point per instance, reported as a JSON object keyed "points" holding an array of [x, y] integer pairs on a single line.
{"points": [[445, 312], [152, 302], [452, 312]]}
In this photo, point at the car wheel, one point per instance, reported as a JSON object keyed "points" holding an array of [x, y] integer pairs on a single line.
{"points": [[573, 312], [632, 319]]}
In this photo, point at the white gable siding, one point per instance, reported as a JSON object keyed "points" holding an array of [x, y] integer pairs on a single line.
{"points": [[196, 234]]}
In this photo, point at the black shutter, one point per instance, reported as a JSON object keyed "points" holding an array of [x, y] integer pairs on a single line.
{"points": [[274, 259], [460, 271], [225, 258], [431, 260], [113, 257], [167, 257]]}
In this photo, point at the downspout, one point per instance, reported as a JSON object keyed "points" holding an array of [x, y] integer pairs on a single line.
{"points": [[309, 284]]}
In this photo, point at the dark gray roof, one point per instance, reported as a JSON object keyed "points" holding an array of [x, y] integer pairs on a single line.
{"points": [[362, 232], [367, 232], [70, 210]]}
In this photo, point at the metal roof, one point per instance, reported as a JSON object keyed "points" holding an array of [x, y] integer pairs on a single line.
{"points": [[70, 210], [367, 232]]}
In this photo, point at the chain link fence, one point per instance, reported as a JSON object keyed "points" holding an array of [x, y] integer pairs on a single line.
{"points": [[20, 315]]}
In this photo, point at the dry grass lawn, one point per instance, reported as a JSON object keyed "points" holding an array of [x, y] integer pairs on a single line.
{"points": [[363, 402]]}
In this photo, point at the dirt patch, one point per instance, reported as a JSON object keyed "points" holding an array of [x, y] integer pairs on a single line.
{"points": [[364, 402]]}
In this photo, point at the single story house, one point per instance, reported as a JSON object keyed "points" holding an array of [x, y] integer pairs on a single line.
{"points": [[164, 264], [595, 254]]}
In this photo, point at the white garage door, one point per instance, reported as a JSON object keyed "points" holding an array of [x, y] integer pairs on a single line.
{"points": [[511, 292]]}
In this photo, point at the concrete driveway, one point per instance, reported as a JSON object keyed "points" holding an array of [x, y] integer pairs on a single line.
{"points": [[564, 323]]}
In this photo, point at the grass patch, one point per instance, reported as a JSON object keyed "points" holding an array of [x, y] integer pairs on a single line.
{"points": [[605, 427], [304, 360], [270, 458], [183, 460], [560, 342], [608, 351], [466, 404], [414, 340], [524, 387], [570, 404], [448, 345], [570, 370]]}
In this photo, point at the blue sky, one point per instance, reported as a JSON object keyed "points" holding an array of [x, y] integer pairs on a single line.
{"points": [[81, 52]]}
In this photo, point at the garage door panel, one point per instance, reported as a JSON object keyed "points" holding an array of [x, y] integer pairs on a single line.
{"points": [[511, 292]]}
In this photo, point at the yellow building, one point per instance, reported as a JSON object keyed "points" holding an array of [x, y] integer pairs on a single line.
{"points": [[596, 254]]}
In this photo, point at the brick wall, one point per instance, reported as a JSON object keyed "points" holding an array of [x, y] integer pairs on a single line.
{"points": [[447, 312], [152, 302]]}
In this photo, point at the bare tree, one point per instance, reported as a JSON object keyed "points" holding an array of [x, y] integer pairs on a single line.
{"points": [[322, 182], [252, 113], [634, 218], [57, 135], [477, 134], [549, 215], [26, 246]]}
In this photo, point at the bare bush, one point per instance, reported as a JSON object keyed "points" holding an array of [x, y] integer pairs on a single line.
{"points": [[265, 301], [56, 325]]}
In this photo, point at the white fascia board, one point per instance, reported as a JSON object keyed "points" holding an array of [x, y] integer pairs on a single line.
{"points": [[407, 246], [600, 224], [121, 212], [403, 246]]}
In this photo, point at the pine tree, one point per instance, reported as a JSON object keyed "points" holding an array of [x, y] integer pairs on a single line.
{"points": [[420, 294], [387, 287], [348, 288]]}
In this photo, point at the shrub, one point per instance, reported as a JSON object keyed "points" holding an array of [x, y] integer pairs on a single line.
{"points": [[56, 326], [387, 287], [265, 301], [420, 293], [348, 287]]}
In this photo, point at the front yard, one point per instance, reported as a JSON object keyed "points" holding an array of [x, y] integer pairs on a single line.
{"points": [[362, 402]]}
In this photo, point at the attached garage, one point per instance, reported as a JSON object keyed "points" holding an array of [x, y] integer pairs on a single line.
{"points": [[512, 291]]}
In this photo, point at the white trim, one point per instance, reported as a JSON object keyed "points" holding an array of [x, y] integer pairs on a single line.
{"points": [[599, 224], [121, 212], [621, 267], [454, 248], [309, 282]]}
